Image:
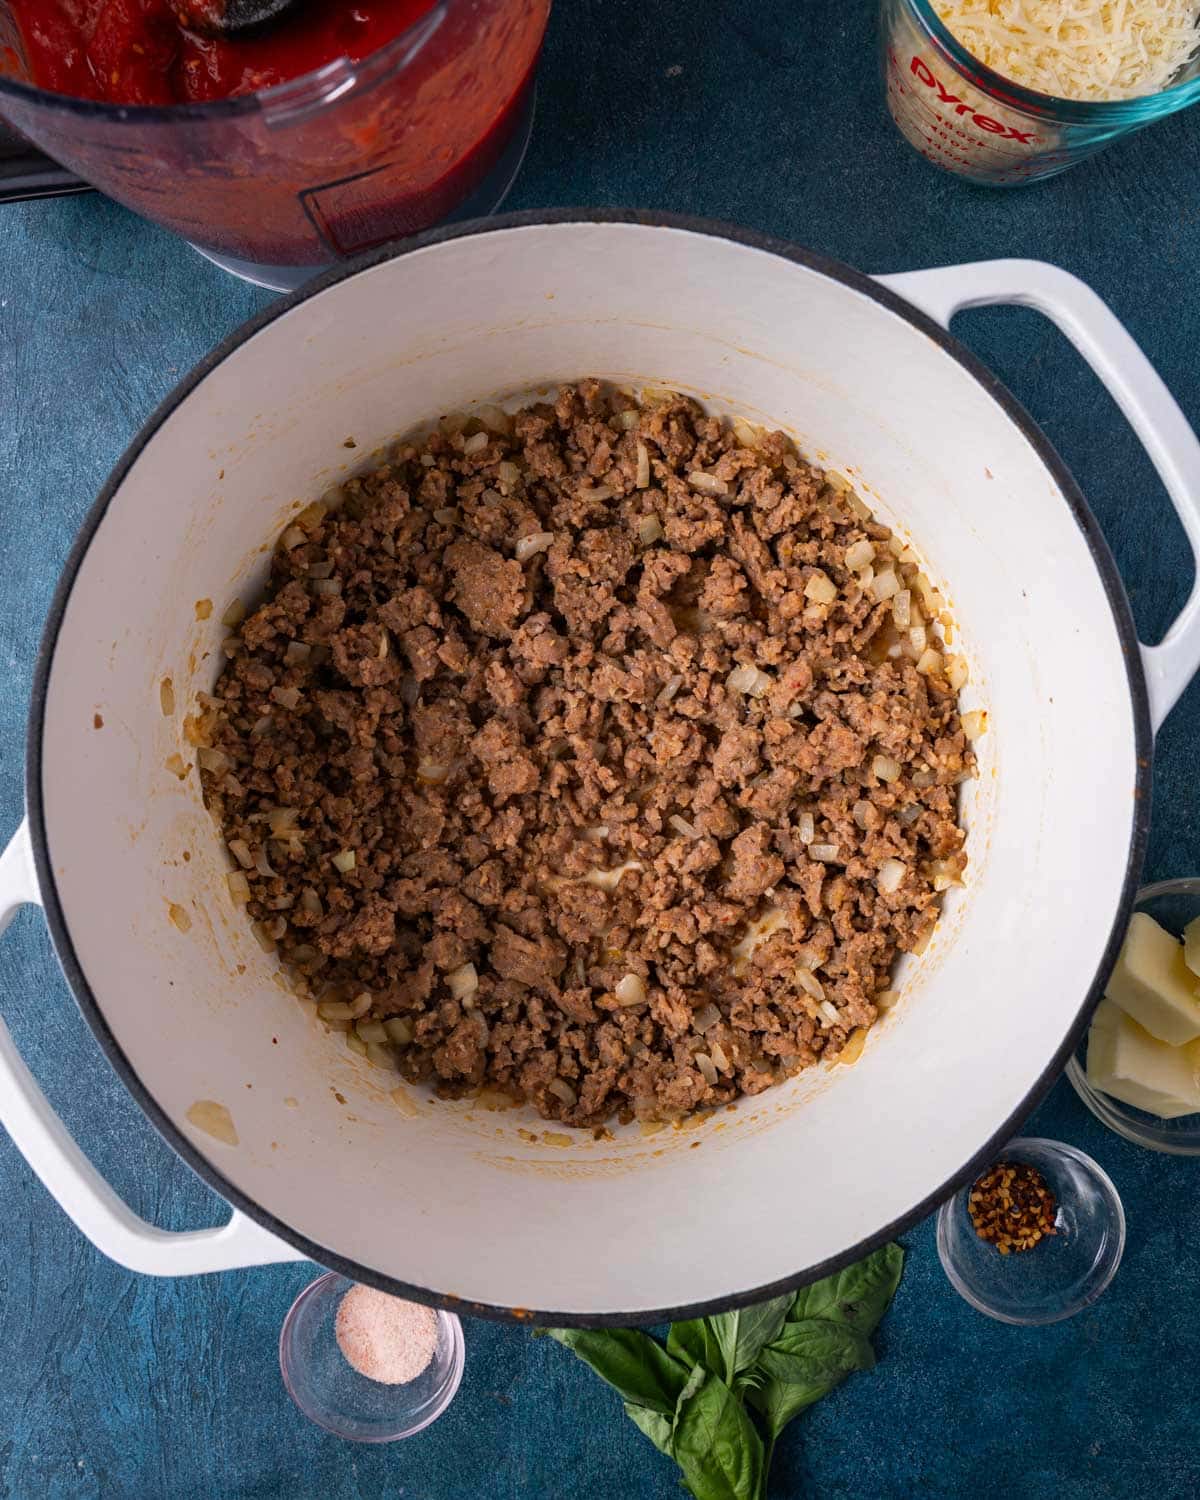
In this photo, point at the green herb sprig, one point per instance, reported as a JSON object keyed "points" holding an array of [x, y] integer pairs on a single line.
{"points": [[716, 1398]]}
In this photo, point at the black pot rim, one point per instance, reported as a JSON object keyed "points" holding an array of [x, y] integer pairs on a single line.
{"points": [[856, 280]]}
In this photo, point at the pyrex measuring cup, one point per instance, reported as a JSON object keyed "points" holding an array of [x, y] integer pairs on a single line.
{"points": [[965, 118], [275, 184]]}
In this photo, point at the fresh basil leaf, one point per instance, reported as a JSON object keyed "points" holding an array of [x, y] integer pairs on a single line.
{"points": [[778, 1401], [632, 1363], [740, 1335], [656, 1427], [816, 1350], [693, 1343], [858, 1295], [714, 1442]]}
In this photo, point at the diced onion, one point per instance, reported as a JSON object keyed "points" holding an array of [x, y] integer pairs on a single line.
{"points": [[909, 815], [707, 484], [717, 1053], [215, 761], [918, 638], [669, 689], [886, 768], [891, 876], [649, 530], [432, 772], [746, 432], [297, 653], [929, 661], [885, 999], [293, 537], [335, 1010], [820, 588], [380, 1056], [288, 698], [596, 834], [823, 852], [356, 1043], [902, 609], [631, 990], [462, 981], [311, 902], [561, 1089], [494, 417], [681, 825], [399, 1030], [830, 1013], [260, 726], [283, 822], [530, 546], [507, 473], [957, 672], [852, 1051], [885, 584], [327, 587], [705, 1018], [344, 862], [263, 865], [810, 984], [806, 827], [446, 515], [475, 444], [234, 615], [264, 939], [312, 515], [864, 814], [705, 1064], [859, 554], [628, 420], [240, 850], [371, 1031], [974, 723], [748, 680], [643, 473]]}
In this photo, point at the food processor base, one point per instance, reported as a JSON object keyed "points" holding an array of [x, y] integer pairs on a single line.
{"points": [[485, 200]]}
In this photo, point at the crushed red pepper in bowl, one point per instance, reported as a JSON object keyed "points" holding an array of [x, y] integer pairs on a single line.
{"points": [[1012, 1206]]}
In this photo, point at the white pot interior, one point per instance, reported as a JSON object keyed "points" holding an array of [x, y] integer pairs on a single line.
{"points": [[494, 1208]]}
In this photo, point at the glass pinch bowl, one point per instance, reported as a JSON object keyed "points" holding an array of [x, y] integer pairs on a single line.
{"points": [[331, 1393], [1173, 904], [1064, 1272]]}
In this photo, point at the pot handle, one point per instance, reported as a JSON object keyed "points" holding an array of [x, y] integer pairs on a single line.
{"points": [[71, 1179], [1134, 385]]}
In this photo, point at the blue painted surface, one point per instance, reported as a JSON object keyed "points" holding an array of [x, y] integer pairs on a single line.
{"points": [[769, 114]]}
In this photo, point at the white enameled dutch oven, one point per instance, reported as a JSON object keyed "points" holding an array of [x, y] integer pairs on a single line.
{"points": [[447, 1201]]}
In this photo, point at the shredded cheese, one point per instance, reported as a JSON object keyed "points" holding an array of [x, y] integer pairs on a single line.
{"points": [[1091, 50]]}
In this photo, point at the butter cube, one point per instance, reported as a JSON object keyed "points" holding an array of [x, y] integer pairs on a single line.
{"points": [[1152, 983], [1191, 947], [1127, 1062]]}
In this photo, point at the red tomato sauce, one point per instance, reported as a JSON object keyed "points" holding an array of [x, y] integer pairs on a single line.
{"points": [[142, 52]]}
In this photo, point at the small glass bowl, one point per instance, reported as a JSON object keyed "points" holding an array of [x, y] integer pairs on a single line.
{"points": [[331, 1393], [1173, 903], [1064, 1272]]}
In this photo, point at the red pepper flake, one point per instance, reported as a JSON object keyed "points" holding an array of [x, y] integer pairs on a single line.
{"points": [[1012, 1207]]}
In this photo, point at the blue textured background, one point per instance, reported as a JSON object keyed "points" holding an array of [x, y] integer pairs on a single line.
{"points": [[770, 114]]}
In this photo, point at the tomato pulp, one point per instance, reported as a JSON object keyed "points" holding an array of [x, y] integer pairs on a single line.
{"points": [[144, 52]]}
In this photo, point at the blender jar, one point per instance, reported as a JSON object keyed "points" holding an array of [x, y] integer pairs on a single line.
{"points": [[969, 120], [273, 185]]}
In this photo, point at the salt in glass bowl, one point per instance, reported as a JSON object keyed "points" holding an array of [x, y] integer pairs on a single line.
{"points": [[1173, 904], [1063, 1272], [331, 1393]]}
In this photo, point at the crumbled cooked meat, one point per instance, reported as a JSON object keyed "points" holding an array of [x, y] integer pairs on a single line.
{"points": [[632, 784]]}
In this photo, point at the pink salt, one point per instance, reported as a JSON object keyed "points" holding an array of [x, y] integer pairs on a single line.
{"points": [[385, 1338]]}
